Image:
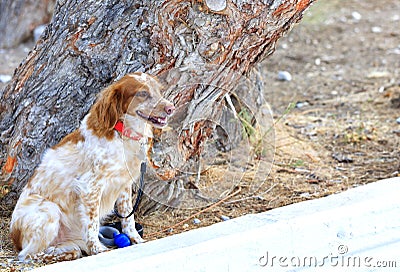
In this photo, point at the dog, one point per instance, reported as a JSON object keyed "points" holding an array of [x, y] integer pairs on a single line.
{"points": [[81, 179]]}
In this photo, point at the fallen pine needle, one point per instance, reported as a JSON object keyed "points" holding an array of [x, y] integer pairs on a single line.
{"points": [[251, 197]]}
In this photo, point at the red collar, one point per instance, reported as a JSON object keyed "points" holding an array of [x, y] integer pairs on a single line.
{"points": [[127, 132]]}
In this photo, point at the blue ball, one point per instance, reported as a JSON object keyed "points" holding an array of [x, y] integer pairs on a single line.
{"points": [[121, 240]]}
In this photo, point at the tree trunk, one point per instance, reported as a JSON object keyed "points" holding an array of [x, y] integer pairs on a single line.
{"points": [[201, 50], [18, 19]]}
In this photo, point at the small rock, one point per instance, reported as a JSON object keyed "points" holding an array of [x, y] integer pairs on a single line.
{"points": [[284, 76], [185, 226], [379, 74], [342, 158], [301, 170], [199, 22], [5, 78], [395, 102], [306, 194], [336, 181], [196, 221], [376, 29], [356, 16], [395, 51], [225, 218], [317, 61], [397, 132], [216, 5], [398, 120], [299, 104]]}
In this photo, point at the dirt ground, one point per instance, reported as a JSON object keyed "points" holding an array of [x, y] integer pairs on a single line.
{"points": [[344, 59]]}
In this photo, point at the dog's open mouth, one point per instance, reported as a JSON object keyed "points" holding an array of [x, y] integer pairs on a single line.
{"points": [[156, 120]]}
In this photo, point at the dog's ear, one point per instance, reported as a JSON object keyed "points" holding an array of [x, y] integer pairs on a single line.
{"points": [[105, 113], [112, 108], [128, 89]]}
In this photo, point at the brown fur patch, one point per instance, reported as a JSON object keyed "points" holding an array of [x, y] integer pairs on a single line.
{"points": [[16, 238], [72, 138]]}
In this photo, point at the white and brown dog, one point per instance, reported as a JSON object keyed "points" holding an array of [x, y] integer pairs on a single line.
{"points": [[80, 179]]}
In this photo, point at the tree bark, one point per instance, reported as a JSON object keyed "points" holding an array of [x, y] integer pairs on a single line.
{"points": [[199, 49], [18, 19]]}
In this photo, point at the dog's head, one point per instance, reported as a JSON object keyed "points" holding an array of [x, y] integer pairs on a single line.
{"points": [[135, 96], [145, 100]]}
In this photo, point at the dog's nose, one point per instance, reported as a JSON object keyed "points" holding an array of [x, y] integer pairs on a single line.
{"points": [[169, 109]]}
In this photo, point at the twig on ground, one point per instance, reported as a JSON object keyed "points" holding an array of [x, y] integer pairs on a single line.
{"points": [[250, 197]]}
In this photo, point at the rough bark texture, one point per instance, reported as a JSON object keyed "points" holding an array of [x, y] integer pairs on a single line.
{"points": [[198, 48], [18, 19]]}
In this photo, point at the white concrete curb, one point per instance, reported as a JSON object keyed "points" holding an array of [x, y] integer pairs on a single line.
{"points": [[359, 228]]}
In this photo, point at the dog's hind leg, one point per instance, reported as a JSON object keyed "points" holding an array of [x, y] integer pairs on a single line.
{"points": [[35, 225], [65, 251]]}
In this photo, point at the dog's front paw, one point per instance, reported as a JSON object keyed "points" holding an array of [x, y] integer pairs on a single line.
{"points": [[135, 237], [130, 230], [97, 248], [138, 240]]}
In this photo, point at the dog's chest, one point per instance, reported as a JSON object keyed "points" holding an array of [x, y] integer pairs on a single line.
{"points": [[116, 155], [119, 168]]}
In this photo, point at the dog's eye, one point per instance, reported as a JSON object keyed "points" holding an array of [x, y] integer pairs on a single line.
{"points": [[143, 94]]}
